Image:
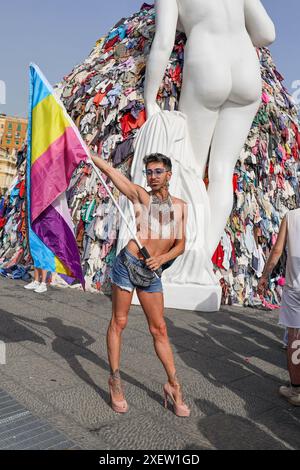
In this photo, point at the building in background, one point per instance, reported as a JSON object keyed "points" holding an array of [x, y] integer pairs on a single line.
{"points": [[12, 137], [8, 168], [12, 132], [2, 125]]}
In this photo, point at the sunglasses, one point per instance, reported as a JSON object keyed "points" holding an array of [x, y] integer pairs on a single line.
{"points": [[155, 172]]}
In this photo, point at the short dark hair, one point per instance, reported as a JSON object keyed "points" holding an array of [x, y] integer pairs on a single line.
{"points": [[158, 158]]}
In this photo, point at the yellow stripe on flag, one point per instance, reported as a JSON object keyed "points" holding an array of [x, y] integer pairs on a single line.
{"points": [[48, 124], [60, 268]]}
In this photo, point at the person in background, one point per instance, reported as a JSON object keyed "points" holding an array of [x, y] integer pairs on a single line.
{"points": [[39, 284], [289, 316]]}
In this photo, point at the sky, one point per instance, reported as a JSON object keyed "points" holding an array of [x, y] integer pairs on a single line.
{"points": [[59, 34]]}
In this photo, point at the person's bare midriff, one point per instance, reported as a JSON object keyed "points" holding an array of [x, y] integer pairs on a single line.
{"points": [[154, 247]]}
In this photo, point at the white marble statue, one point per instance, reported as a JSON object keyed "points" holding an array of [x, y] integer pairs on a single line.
{"points": [[220, 96]]}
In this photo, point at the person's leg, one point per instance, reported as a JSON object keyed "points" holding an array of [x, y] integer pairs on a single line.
{"points": [[37, 275], [121, 301], [43, 276], [285, 339], [35, 283], [42, 287], [153, 306], [293, 356], [292, 393]]}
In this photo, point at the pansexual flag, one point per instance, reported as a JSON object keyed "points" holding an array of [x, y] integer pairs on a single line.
{"points": [[55, 148]]}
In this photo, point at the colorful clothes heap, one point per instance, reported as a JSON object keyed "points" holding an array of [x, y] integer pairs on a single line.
{"points": [[13, 241], [104, 96]]}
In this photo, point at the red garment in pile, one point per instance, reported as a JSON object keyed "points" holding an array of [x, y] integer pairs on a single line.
{"points": [[297, 133], [218, 257], [111, 43], [235, 182], [175, 74], [128, 122], [22, 189], [100, 95], [233, 255]]}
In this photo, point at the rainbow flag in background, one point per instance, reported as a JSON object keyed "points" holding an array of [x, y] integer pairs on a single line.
{"points": [[55, 148]]}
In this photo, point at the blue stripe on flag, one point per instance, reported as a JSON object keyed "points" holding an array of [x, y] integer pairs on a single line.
{"points": [[40, 90], [42, 257]]}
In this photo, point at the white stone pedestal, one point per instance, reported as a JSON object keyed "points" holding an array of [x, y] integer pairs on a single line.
{"points": [[190, 297]]}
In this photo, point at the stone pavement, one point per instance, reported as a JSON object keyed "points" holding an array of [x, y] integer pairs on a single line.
{"points": [[231, 364]]}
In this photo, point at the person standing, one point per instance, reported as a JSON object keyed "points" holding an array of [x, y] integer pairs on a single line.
{"points": [[289, 316], [160, 222]]}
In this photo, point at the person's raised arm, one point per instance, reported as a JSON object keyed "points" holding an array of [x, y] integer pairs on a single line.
{"points": [[274, 257], [166, 24], [134, 192], [259, 25]]}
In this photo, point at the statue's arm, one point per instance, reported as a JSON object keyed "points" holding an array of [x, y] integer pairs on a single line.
{"points": [[258, 23], [163, 43]]}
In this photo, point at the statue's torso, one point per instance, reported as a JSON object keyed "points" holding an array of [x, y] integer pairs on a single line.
{"points": [[215, 28], [220, 60], [215, 17]]}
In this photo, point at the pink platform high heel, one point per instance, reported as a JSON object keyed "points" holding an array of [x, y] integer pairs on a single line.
{"points": [[180, 410], [119, 406]]}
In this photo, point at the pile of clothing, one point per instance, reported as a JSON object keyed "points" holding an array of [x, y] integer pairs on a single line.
{"points": [[16, 272], [13, 236], [104, 96]]}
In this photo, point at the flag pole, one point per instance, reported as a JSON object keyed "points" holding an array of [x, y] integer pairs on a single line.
{"points": [[143, 250]]}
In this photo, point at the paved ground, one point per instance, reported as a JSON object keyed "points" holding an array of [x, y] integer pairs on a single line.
{"points": [[230, 362], [21, 430]]}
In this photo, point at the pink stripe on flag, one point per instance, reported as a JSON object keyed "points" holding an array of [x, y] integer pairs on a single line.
{"points": [[52, 172]]}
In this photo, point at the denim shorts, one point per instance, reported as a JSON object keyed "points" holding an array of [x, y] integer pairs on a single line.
{"points": [[120, 277]]}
